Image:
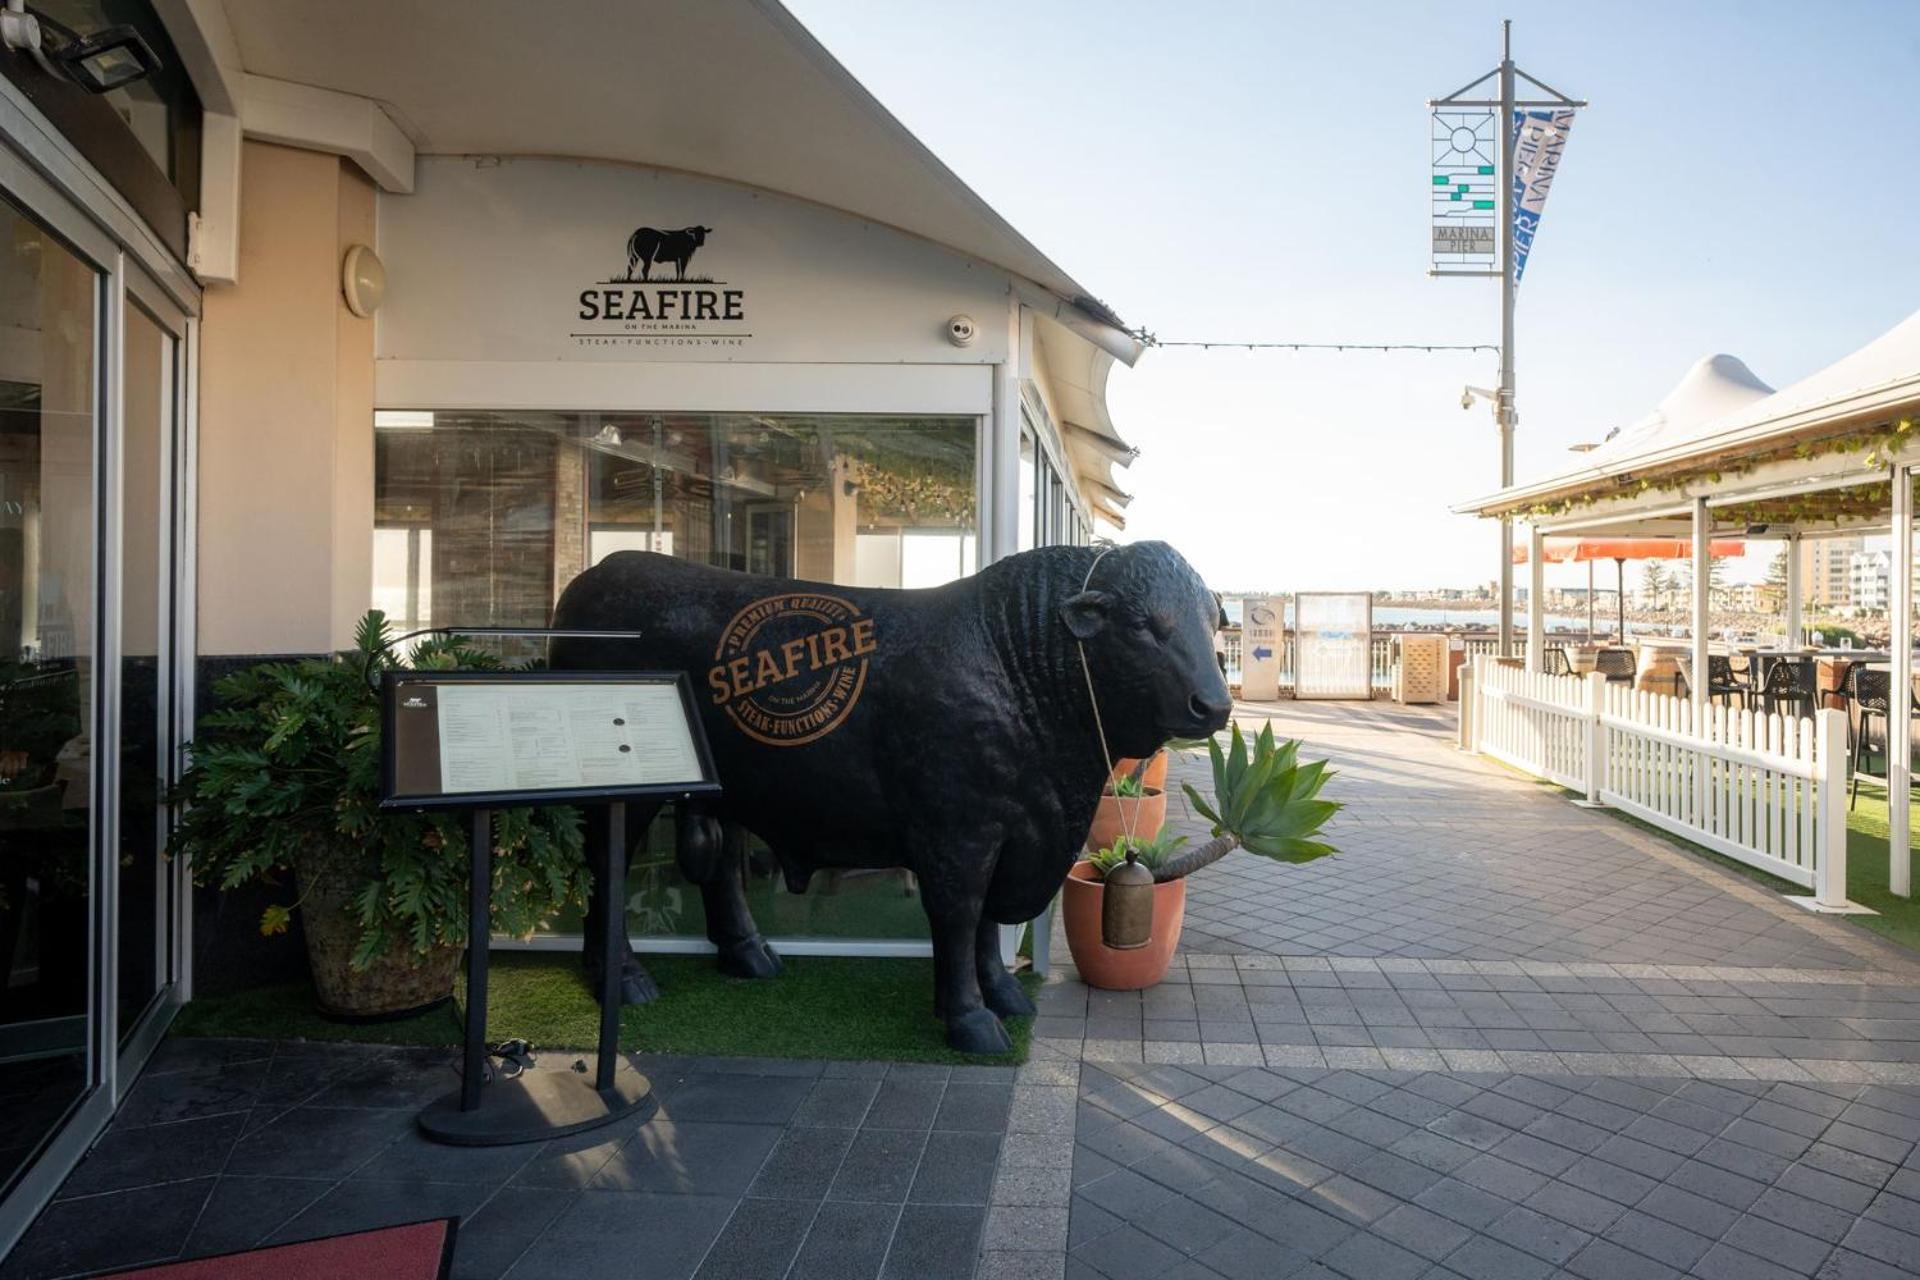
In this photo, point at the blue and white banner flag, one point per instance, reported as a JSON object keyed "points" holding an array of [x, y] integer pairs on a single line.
{"points": [[1540, 138]]}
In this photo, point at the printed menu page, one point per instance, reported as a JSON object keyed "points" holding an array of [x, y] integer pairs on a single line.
{"points": [[558, 736]]}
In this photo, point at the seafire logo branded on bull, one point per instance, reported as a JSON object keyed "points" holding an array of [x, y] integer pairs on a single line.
{"points": [[789, 668], [684, 311]]}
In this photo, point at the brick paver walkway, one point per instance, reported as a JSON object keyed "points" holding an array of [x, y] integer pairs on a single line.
{"points": [[1498, 1036]]}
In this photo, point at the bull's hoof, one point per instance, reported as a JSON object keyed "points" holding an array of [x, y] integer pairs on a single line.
{"points": [[636, 984], [1005, 997], [752, 958], [978, 1031]]}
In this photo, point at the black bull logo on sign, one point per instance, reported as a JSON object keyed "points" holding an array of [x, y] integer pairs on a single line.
{"points": [[949, 731]]}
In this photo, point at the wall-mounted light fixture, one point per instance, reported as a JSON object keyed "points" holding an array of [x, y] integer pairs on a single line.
{"points": [[363, 280], [110, 58]]}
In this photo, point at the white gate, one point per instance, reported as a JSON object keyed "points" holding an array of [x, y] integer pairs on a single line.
{"points": [[1333, 644]]}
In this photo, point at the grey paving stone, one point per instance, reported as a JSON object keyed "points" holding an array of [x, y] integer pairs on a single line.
{"points": [[1567, 1203], [1464, 1203], [1248, 1255], [905, 1104], [879, 1165], [1129, 1253], [692, 1156], [956, 1168], [1537, 1234], [837, 1101], [1485, 1258], [934, 1242], [742, 1099], [598, 1233], [760, 1241], [802, 1164], [1369, 1257], [1643, 1233], [1126, 1194]]}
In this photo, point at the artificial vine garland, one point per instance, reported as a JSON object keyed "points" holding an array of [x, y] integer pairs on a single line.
{"points": [[1879, 445]]}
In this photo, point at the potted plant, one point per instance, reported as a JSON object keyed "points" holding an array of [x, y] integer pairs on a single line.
{"points": [[1264, 801], [1151, 772], [1127, 807], [285, 785]]}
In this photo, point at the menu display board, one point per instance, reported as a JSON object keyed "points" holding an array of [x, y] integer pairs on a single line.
{"points": [[516, 737]]}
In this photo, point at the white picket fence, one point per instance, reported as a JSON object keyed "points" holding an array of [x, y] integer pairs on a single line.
{"points": [[1769, 790], [1535, 722]]}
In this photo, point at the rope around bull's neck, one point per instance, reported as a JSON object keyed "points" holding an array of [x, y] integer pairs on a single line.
{"points": [[1129, 817]]}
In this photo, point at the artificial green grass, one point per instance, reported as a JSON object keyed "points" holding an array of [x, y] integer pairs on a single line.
{"points": [[1899, 918], [819, 1007]]}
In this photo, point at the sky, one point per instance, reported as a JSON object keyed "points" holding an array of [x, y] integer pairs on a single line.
{"points": [[1743, 181]]}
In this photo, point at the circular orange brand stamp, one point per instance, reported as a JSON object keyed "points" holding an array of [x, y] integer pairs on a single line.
{"points": [[789, 668]]}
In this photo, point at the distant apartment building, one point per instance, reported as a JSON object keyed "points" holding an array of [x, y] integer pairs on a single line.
{"points": [[1870, 580], [1826, 569]]}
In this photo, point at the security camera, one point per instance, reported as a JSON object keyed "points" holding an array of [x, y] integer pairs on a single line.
{"points": [[961, 331]]}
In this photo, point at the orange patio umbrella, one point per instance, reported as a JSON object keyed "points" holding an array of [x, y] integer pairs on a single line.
{"points": [[1621, 550]]}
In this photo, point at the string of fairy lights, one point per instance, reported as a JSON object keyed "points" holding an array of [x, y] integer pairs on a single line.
{"points": [[1211, 344]]}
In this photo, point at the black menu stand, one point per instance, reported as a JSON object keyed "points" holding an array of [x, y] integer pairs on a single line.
{"points": [[490, 1109], [648, 745]]}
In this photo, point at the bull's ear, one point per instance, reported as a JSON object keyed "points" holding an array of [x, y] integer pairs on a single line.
{"points": [[1086, 613]]}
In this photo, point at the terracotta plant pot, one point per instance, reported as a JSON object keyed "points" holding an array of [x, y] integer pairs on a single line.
{"points": [[1155, 776], [1142, 816], [399, 982], [1100, 965]]}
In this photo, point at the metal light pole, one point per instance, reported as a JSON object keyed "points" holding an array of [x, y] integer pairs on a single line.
{"points": [[1504, 414], [1503, 407]]}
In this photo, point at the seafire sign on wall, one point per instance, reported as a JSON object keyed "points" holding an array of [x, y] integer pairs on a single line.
{"points": [[789, 668], [654, 302]]}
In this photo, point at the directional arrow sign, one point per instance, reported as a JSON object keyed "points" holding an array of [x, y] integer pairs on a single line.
{"points": [[1263, 653]]}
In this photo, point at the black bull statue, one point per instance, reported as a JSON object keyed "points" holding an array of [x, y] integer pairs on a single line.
{"points": [[950, 731]]}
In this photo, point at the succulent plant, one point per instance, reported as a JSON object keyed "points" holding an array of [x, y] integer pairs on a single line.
{"points": [[1264, 801], [1150, 853]]}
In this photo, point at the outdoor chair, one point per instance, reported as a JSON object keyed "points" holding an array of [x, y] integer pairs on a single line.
{"points": [[1724, 684], [1871, 693], [1789, 683], [1558, 664], [1617, 665]]}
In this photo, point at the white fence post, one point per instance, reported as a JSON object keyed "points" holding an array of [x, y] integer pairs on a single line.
{"points": [[1469, 694], [1830, 872], [1596, 736]]}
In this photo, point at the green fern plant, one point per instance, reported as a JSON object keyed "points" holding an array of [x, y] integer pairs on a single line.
{"points": [[287, 771], [1264, 801]]}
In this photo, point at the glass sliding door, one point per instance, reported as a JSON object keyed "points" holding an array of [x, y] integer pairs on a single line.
{"points": [[146, 448], [50, 323]]}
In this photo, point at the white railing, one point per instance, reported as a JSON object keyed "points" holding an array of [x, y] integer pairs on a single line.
{"points": [[1768, 790], [1535, 722], [1381, 654]]}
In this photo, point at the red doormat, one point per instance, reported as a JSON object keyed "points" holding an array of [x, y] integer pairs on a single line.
{"points": [[416, 1251]]}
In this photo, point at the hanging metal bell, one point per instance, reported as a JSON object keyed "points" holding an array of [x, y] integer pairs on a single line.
{"points": [[1126, 908]]}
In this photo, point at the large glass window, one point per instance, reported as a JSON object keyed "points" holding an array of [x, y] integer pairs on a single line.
{"points": [[49, 318], [483, 518], [1029, 494]]}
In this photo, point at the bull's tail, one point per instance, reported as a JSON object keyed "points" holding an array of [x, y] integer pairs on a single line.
{"points": [[633, 252]]}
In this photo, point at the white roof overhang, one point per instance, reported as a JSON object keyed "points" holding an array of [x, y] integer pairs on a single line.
{"points": [[731, 89], [1876, 384]]}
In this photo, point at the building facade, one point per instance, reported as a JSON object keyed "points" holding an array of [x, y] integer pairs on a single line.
{"points": [[1826, 569], [314, 318]]}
